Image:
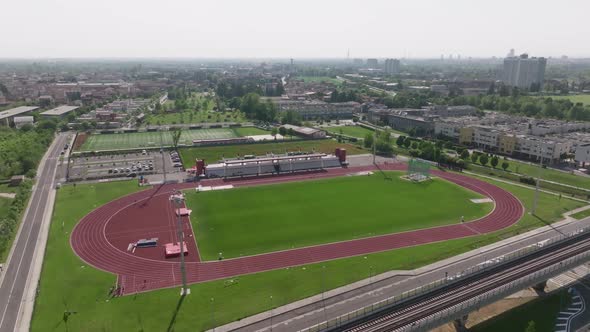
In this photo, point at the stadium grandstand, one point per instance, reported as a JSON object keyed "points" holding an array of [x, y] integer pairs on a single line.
{"points": [[273, 165], [222, 141]]}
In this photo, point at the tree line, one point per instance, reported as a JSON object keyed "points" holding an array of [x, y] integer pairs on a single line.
{"points": [[21, 149], [513, 103]]}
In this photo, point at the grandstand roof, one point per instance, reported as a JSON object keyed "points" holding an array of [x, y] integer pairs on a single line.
{"points": [[241, 161]]}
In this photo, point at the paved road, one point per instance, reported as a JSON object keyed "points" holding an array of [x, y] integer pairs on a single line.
{"points": [[12, 288]]}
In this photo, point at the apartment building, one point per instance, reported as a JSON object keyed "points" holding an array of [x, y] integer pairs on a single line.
{"points": [[550, 150], [524, 72], [392, 66]]}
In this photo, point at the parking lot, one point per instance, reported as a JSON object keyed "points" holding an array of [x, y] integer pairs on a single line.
{"points": [[110, 166], [124, 165]]}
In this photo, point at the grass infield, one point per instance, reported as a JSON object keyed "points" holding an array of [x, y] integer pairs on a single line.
{"points": [[252, 220]]}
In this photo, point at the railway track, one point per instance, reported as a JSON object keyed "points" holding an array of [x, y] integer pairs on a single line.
{"points": [[405, 315]]}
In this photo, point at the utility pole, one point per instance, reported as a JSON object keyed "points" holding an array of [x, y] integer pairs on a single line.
{"points": [[178, 199]]}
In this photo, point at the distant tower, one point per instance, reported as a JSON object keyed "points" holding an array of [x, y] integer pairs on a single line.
{"points": [[511, 53], [291, 62], [348, 55], [442, 57]]}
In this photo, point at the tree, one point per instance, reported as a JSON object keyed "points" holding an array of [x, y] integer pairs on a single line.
{"points": [[531, 327], [474, 157], [400, 140], [505, 165], [494, 161], [407, 142], [291, 132], [274, 132], [383, 146], [414, 145], [176, 133], [368, 141], [465, 154], [283, 131], [483, 159]]}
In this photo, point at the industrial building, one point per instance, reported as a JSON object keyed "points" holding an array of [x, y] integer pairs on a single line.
{"points": [[7, 117], [59, 112]]}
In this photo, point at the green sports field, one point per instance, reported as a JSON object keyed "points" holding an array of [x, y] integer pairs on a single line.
{"points": [[253, 220], [98, 142], [584, 99], [354, 131]]}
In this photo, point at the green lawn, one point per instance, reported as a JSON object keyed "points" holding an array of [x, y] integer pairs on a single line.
{"points": [[584, 99], [5, 188], [66, 279], [320, 79], [581, 214], [543, 311], [215, 153], [250, 131], [354, 131], [4, 205], [98, 142], [253, 220], [533, 171], [549, 174]]}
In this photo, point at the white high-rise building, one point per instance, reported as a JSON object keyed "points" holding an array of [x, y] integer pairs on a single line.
{"points": [[391, 66], [524, 72]]}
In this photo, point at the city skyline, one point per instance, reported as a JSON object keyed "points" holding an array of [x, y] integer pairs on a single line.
{"points": [[263, 29]]}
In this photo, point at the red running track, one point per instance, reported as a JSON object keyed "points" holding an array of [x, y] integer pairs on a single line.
{"points": [[101, 237]]}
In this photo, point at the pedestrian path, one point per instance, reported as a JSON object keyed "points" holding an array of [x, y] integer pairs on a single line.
{"points": [[565, 317]]}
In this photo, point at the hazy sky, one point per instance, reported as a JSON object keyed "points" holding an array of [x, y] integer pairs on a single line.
{"points": [[298, 28]]}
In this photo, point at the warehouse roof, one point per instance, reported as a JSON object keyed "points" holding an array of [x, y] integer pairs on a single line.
{"points": [[16, 111], [61, 110]]}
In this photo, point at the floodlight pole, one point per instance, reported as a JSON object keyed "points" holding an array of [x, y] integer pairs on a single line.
{"points": [[536, 200], [375, 145], [178, 203]]}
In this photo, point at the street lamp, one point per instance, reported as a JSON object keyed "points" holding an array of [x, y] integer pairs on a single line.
{"points": [[212, 315]]}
